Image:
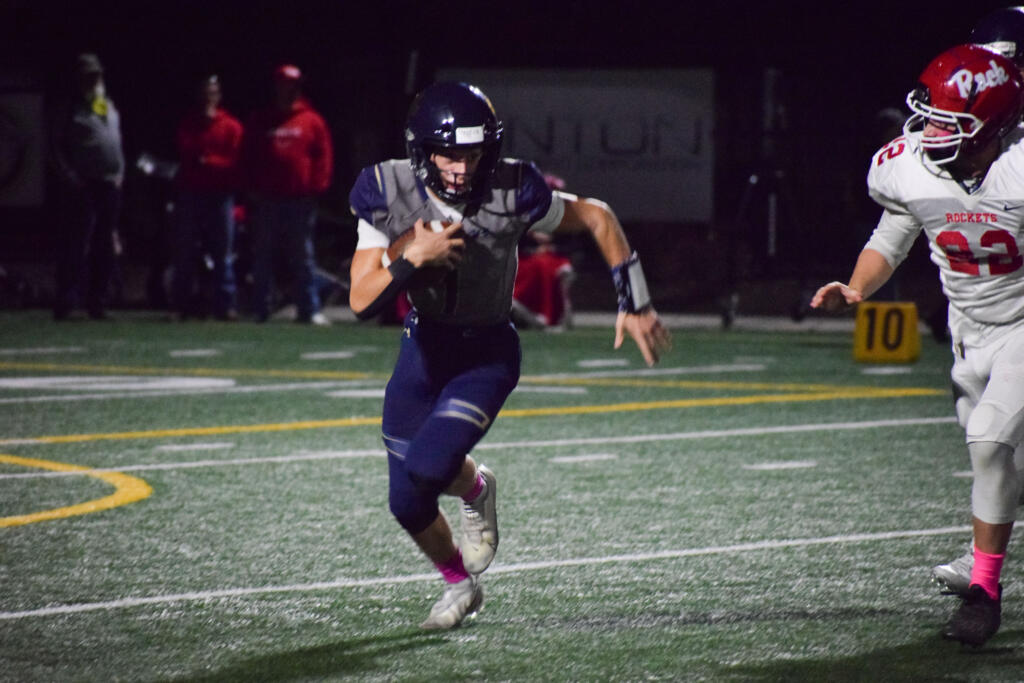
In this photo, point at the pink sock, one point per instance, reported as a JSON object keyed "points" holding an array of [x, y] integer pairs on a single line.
{"points": [[477, 489], [986, 571], [452, 569]]}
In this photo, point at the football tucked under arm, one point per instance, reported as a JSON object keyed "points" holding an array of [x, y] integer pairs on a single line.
{"points": [[398, 246], [404, 275]]}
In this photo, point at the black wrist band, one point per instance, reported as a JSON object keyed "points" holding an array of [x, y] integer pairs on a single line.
{"points": [[631, 286], [401, 272]]}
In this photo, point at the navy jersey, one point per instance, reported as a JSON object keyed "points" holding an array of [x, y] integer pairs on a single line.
{"points": [[388, 199]]}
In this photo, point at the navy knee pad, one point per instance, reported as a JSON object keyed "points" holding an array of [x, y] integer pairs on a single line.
{"points": [[434, 457], [413, 512], [413, 508]]}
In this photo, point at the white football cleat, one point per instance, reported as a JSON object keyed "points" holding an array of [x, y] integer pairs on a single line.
{"points": [[460, 600], [480, 526], [954, 578]]}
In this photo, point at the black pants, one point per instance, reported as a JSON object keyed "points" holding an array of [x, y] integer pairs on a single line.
{"points": [[85, 246]]}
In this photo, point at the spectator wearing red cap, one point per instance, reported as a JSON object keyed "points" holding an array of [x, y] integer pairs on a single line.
{"points": [[209, 144], [288, 161]]}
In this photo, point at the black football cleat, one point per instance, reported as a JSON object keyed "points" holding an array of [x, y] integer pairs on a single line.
{"points": [[976, 619]]}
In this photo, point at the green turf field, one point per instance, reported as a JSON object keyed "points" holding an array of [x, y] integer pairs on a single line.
{"points": [[207, 501]]}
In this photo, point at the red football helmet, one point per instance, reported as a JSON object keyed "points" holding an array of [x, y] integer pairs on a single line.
{"points": [[973, 94]]}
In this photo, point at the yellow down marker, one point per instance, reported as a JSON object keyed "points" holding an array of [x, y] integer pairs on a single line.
{"points": [[128, 489]]}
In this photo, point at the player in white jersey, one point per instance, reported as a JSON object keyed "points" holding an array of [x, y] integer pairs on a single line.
{"points": [[958, 175], [1001, 31]]}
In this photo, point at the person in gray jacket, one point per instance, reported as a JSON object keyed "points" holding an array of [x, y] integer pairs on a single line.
{"points": [[85, 150]]}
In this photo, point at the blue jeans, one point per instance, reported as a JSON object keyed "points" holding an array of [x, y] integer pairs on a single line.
{"points": [[284, 226], [205, 225]]}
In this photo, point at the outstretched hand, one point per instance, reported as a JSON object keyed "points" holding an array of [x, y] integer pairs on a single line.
{"points": [[646, 330], [835, 296]]}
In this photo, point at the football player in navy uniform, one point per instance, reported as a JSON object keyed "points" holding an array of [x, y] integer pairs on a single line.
{"points": [[444, 225]]}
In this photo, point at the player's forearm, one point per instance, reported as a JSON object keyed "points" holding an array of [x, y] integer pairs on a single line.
{"points": [[606, 230], [871, 272], [368, 289], [372, 285]]}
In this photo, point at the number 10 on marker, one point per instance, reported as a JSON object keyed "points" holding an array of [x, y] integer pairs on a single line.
{"points": [[886, 332]]}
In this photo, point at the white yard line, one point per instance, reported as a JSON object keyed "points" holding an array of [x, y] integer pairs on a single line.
{"points": [[42, 350], [219, 446], [142, 393], [586, 457], [194, 353], [771, 466], [516, 568], [658, 372], [603, 363], [247, 389], [724, 433], [498, 445], [888, 370], [531, 389]]}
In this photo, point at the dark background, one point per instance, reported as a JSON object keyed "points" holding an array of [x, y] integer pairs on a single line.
{"points": [[838, 65]]}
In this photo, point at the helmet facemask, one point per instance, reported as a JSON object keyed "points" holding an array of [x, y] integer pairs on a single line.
{"points": [[475, 182], [960, 133]]}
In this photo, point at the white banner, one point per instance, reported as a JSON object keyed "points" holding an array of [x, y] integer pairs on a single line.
{"points": [[639, 140], [21, 149]]}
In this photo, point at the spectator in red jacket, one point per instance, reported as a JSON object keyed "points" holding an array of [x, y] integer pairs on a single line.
{"points": [[209, 143], [288, 162]]}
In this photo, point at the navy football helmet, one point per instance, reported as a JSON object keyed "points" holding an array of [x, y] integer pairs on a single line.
{"points": [[1002, 31], [451, 116]]}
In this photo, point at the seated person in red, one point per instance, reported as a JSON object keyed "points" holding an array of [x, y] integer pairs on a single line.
{"points": [[540, 297]]}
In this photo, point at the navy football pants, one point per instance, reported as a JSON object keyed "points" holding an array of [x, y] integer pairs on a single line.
{"points": [[447, 387]]}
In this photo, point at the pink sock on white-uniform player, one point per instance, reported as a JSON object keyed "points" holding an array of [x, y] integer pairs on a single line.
{"points": [[986, 570]]}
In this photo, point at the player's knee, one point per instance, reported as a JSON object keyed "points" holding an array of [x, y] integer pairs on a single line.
{"points": [[414, 513], [996, 488], [994, 419], [434, 458], [433, 475]]}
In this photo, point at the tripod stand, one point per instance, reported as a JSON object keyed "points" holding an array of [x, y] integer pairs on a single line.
{"points": [[766, 213]]}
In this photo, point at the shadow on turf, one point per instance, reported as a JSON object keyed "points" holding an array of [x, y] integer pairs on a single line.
{"points": [[343, 657], [933, 659]]}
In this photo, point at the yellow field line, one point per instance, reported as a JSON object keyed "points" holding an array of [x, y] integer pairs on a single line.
{"points": [[128, 489], [217, 372], [720, 401], [206, 431], [684, 384], [856, 393]]}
